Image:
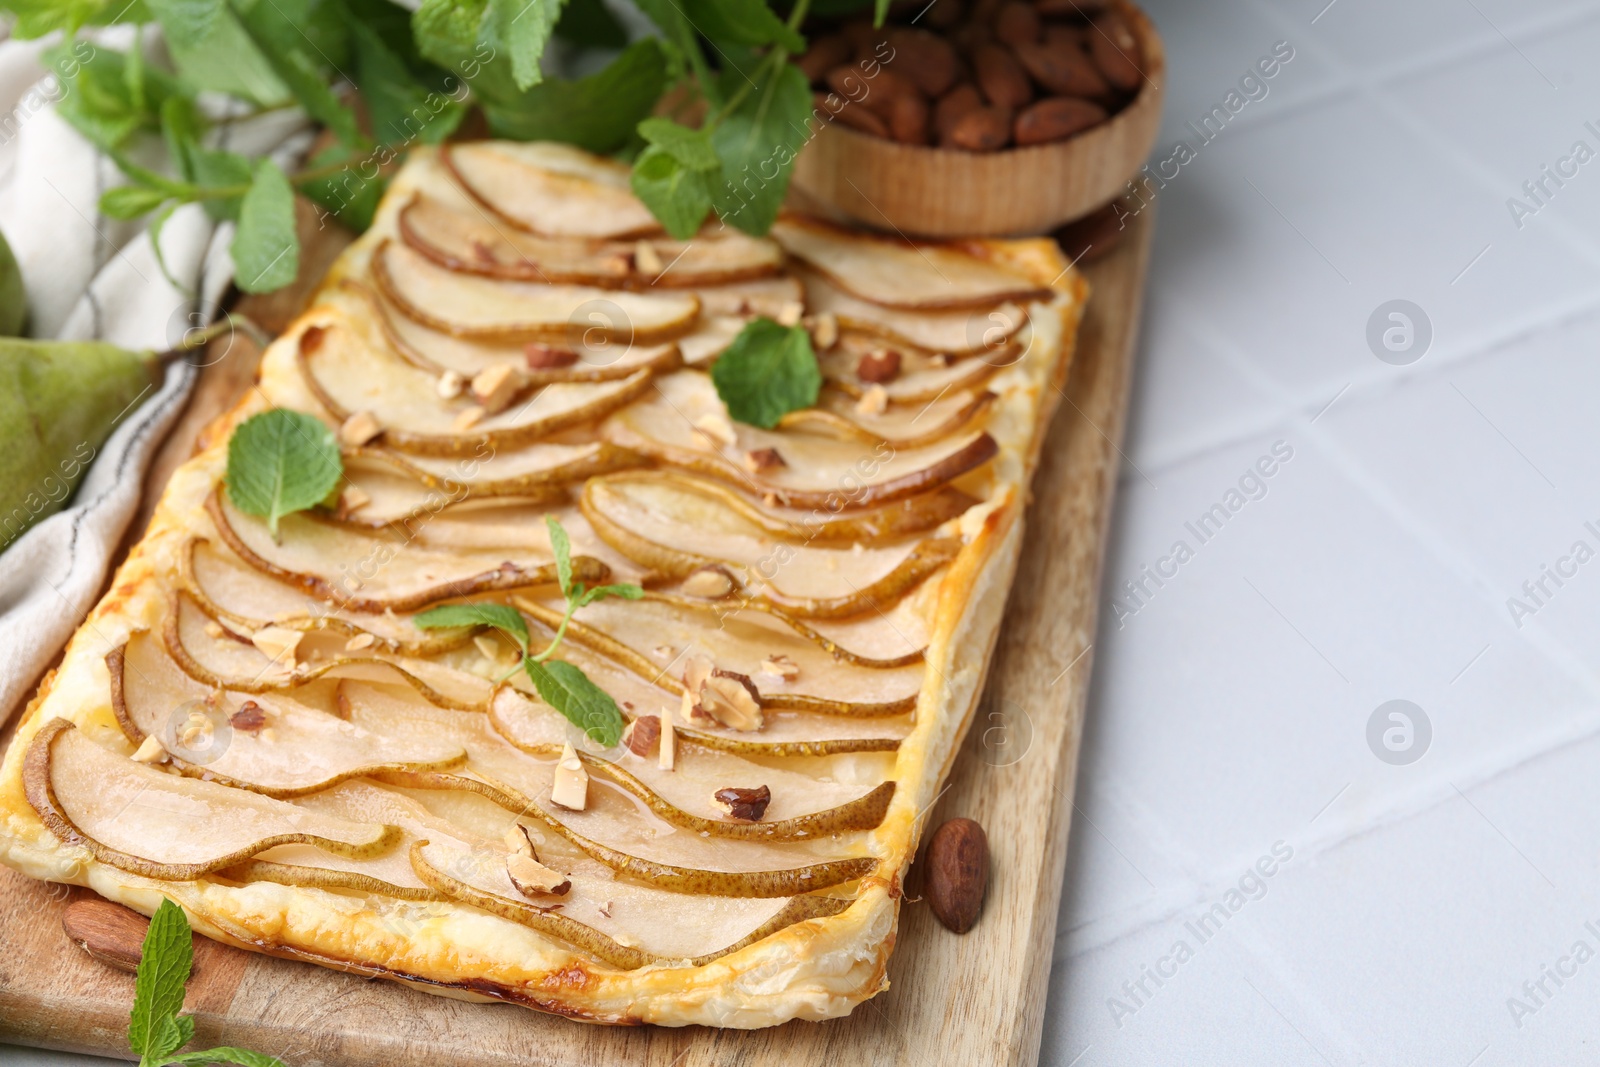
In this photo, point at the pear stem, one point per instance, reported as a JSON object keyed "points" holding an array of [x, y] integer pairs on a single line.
{"points": [[195, 340]]}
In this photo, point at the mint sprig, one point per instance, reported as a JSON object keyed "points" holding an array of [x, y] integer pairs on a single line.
{"points": [[280, 462], [768, 371], [562, 685], [155, 1029]]}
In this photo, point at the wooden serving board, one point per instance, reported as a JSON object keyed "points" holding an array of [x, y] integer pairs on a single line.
{"points": [[972, 999]]}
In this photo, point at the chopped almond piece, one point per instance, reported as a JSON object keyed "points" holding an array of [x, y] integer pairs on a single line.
{"points": [[571, 787], [548, 357], [518, 843], [496, 386], [669, 737], [359, 428], [490, 647], [647, 259], [250, 717], [825, 331], [533, 878], [351, 500], [875, 401], [150, 751], [789, 314], [744, 805], [360, 641], [716, 427], [763, 459], [781, 667], [641, 735], [450, 384], [277, 643], [214, 630], [879, 365], [468, 418]]}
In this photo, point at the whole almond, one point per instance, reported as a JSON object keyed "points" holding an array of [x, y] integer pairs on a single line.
{"points": [[958, 873], [944, 14], [109, 932], [1069, 8], [925, 59], [859, 118], [1000, 77], [824, 54], [885, 88], [952, 106], [1017, 23], [1061, 68], [1056, 119], [1115, 51], [908, 119], [985, 129]]}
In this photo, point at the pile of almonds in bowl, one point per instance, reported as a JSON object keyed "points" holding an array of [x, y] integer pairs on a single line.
{"points": [[979, 76]]}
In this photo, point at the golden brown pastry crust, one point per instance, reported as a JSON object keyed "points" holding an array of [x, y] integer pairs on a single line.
{"points": [[816, 969]]}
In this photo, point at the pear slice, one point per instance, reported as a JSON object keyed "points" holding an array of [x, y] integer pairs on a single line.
{"points": [[220, 658], [668, 527], [244, 600], [136, 818], [989, 332], [922, 377], [347, 374], [381, 493], [550, 189], [293, 751], [768, 297], [471, 243], [487, 308], [530, 471], [713, 883], [818, 471], [901, 425], [595, 358], [899, 274], [872, 526], [711, 336], [655, 635], [377, 572]]}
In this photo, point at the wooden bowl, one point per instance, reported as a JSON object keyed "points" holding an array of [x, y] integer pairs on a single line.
{"points": [[942, 192]]}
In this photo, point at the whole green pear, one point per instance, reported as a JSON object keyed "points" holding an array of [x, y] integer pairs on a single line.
{"points": [[59, 401], [13, 297]]}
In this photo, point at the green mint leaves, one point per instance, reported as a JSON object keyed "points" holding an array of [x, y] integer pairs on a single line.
{"points": [[561, 685], [280, 462], [266, 253], [768, 371], [155, 1029]]}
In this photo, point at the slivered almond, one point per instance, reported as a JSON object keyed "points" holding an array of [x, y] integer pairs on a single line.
{"points": [[468, 418], [647, 259], [716, 428], [150, 751], [780, 666], [359, 428], [571, 786], [352, 500], [359, 641], [278, 643], [496, 386]]}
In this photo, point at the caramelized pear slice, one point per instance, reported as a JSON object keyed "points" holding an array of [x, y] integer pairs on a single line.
{"points": [[221, 658], [711, 336], [231, 591], [377, 572], [769, 297], [922, 376], [530, 471], [166, 826], [551, 189], [900, 425], [464, 305], [381, 493], [988, 332], [654, 636], [667, 526], [593, 356], [471, 243], [897, 273], [712, 883], [347, 374], [268, 744], [817, 471]]}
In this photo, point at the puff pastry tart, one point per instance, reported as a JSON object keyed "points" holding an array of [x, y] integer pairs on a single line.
{"points": [[256, 728]]}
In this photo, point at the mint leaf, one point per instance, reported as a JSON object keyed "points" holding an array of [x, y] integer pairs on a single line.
{"points": [[768, 371], [568, 690], [746, 22], [505, 619], [692, 148], [401, 106], [561, 547], [266, 252], [304, 44], [227, 1054], [97, 99], [600, 592], [131, 201], [280, 462], [227, 61], [524, 27], [164, 966], [186, 22], [591, 23], [598, 112], [757, 144], [351, 196], [677, 196]]}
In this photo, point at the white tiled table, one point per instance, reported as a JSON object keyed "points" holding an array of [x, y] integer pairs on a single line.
{"points": [[1229, 713]]}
